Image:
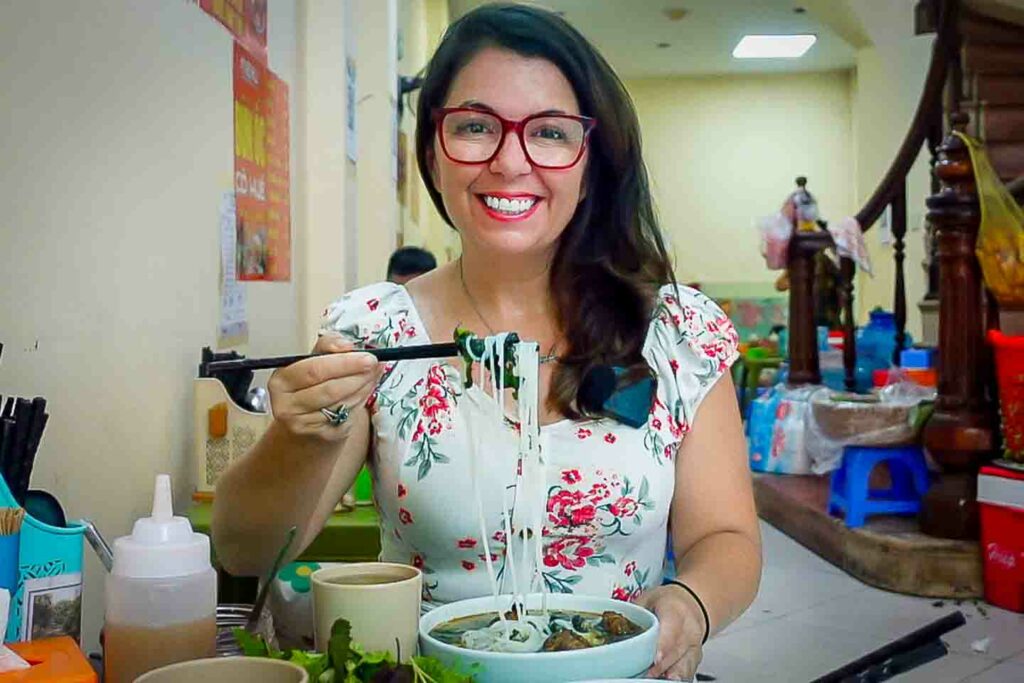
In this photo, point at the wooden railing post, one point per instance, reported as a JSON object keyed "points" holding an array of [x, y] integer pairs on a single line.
{"points": [[899, 302], [803, 334], [962, 433], [847, 273]]}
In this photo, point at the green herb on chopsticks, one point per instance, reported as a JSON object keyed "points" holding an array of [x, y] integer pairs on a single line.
{"points": [[348, 662]]}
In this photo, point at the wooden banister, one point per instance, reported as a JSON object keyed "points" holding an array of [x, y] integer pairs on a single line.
{"points": [[928, 108], [899, 301], [962, 433], [891, 190], [803, 334], [847, 273]]}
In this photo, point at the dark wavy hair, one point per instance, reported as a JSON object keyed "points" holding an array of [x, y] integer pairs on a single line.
{"points": [[611, 259]]}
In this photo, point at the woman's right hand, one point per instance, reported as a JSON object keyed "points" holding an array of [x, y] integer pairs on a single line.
{"points": [[299, 391]]}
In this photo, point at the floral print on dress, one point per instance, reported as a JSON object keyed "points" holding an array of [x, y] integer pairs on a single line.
{"points": [[664, 432], [419, 561], [608, 486], [607, 505], [424, 412], [704, 328], [633, 584]]}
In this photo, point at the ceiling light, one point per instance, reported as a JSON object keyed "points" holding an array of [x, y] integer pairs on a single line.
{"points": [[773, 46]]}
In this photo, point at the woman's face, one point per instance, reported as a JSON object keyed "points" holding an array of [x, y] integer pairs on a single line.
{"points": [[513, 87]]}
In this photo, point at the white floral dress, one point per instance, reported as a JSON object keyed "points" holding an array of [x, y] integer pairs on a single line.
{"points": [[609, 485]]}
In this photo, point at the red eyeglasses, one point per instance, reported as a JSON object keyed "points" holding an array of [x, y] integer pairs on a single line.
{"points": [[550, 141]]}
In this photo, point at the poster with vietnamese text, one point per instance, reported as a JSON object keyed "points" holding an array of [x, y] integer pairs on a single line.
{"points": [[245, 19], [262, 197]]}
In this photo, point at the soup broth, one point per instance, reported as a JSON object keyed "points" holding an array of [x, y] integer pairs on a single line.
{"points": [[368, 579], [555, 631]]}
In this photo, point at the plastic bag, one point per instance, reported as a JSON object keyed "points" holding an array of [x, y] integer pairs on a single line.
{"points": [[1000, 245], [778, 425], [838, 419], [775, 233]]}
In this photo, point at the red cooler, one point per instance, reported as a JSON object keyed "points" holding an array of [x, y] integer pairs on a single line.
{"points": [[1001, 500]]}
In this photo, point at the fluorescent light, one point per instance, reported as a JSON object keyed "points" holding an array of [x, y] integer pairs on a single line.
{"points": [[773, 47]]}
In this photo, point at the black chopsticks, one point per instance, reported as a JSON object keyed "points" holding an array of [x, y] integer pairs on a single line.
{"points": [[398, 353], [22, 422]]}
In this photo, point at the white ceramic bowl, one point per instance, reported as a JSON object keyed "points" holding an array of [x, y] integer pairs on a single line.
{"points": [[228, 670], [624, 659]]}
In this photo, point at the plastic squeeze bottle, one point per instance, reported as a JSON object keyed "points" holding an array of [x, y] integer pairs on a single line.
{"points": [[161, 597]]}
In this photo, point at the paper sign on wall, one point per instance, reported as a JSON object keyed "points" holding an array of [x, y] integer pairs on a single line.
{"points": [[245, 19], [262, 199], [233, 328]]}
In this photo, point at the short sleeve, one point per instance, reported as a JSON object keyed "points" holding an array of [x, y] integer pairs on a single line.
{"points": [[377, 316], [690, 344]]}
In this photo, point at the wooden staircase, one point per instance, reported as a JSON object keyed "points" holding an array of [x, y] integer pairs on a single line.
{"points": [[975, 83], [992, 88]]}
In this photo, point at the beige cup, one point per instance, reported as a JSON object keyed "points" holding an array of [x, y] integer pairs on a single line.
{"points": [[380, 600], [228, 670]]}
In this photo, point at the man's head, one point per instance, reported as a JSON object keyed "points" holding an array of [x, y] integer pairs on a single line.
{"points": [[408, 262]]}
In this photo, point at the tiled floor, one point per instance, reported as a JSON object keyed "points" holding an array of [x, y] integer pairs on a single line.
{"points": [[811, 618]]}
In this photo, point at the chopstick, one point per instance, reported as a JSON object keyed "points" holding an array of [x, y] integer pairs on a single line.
{"points": [[21, 431], [37, 423], [448, 350], [15, 459]]}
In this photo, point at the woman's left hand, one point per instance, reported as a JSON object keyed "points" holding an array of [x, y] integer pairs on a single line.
{"points": [[681, 632]]}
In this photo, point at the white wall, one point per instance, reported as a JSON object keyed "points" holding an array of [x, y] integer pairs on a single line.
{"points": [[117, 146], [722, 151]]}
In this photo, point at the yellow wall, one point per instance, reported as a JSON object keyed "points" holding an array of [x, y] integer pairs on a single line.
{"points": [[722, 151], [425, 23], [886, 90]]}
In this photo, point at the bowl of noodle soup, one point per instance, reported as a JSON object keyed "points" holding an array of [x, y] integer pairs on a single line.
{"points": [[624, 656]]}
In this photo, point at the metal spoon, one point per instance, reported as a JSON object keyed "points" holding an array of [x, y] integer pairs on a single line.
{"points": [[257, 609], [98, 543]]}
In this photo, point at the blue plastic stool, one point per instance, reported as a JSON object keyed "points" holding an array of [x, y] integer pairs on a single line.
{"points": [[849, 491]]}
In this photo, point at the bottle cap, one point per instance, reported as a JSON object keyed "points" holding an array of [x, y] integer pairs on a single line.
{"points": [[162, 545]]}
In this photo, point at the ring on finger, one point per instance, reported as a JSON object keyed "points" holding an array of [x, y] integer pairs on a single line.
{"points": [[337, 416]]}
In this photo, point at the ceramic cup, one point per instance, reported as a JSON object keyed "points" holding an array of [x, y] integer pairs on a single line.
{"points": [[379, 599]]}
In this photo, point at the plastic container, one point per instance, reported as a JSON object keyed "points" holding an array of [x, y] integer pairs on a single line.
{"points": [[876, 342], [53, 660], [49, 568], [833, 372], [1009, 352], [161, 595], [1001, 505], [9, 544]]}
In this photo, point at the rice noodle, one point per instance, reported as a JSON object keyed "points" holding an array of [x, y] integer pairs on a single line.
{"points": [[522, 517]]}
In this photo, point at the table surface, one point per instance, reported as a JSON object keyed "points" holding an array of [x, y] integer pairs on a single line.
{"points": [[347, 537]]}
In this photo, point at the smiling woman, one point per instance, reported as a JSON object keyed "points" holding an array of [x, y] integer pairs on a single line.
{"points": [[530, 149]]}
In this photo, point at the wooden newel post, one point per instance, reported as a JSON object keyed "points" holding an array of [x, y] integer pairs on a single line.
{"points": [[962, 433], [803, 334]]}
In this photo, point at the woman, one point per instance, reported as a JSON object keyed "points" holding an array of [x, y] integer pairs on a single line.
{"points": [[530, 148]]}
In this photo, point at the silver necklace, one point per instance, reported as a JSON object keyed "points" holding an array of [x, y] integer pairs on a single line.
{"points": [[551, 355]]}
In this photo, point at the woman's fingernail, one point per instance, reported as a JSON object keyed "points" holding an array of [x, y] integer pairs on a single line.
{"points": [[658, 657]]}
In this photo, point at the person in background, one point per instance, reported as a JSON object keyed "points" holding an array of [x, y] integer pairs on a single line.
{"points": [[409, 262]]}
